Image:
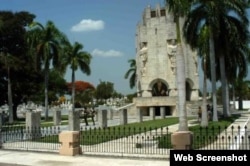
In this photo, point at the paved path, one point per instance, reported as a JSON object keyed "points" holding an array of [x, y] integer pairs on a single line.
{"points": [[50, 159]]}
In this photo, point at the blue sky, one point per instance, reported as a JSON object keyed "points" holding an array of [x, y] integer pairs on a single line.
{"points": [[106, 28]]}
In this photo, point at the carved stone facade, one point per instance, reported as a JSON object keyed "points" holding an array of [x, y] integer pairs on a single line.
{"points": [[156, 50]]}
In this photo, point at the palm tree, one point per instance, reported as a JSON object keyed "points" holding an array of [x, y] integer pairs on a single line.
{"points": [[47, 49], [238, 68], [236, 27], [76, 58], [204, 51], [216, 16], [179, 9], [132, 73]]}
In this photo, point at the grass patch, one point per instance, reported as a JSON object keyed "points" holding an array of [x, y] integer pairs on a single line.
{"points": [[202, 135], [100, 135], [207, 135]]}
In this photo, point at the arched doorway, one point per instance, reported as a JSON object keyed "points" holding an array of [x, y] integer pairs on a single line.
{"points": [[159, 88]]}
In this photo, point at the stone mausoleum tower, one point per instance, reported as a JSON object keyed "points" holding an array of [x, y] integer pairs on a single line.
{"points": [[156, 68]]}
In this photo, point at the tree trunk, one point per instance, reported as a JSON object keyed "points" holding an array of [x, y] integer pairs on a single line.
{"points": [[233, 89], [73, 90], [181, 77], [181, 86], [213, 75], [10, 102], [225, 95], [46, 92], [204, 120]]}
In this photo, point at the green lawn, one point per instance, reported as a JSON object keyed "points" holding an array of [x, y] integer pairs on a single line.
{"points": [[207, 135], [99, 135]]}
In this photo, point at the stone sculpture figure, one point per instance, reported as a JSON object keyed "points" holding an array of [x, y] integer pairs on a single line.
{"points": [[159, 89], [144, 58], [171, 50]]}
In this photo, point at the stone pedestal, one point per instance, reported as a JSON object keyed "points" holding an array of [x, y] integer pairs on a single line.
{"points": [[110, 114], [102, 118], [57, 117], [123, 116], [74, 120], [152, 113], [33, 124], [139, 116], [96, 115], [182, 140], [163, 112], [70, 143]]}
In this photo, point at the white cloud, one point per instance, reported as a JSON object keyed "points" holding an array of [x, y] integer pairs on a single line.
{"points": [[88, 25], [109, 53]]}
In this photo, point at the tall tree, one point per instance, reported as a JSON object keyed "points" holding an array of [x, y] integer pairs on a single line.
{"points": [[76, 58], [218, 18], [12, 47], [131, 73], [47, 50], [238, 69], [179, 9], [204, 52], [235, 26]]}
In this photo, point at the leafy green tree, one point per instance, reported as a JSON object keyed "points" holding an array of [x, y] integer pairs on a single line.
{"points": [[57, 85], [12, 50], [131, 73], [104, 90]]}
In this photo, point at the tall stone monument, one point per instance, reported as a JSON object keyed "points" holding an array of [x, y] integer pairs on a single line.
{"points": [[156, 64]]}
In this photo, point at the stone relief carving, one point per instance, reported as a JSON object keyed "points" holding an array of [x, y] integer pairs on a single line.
{"points": [[143, 71], [144, 58], [172, 92], [171, 50]]}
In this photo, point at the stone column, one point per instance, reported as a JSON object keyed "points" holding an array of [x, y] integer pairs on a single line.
{"points": [[57, 117], [74, 120], [96, 114], [33, 124], [163, 112], [139, 116], [110, 114], [102, 118], [152, 113], [123, 116]]}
